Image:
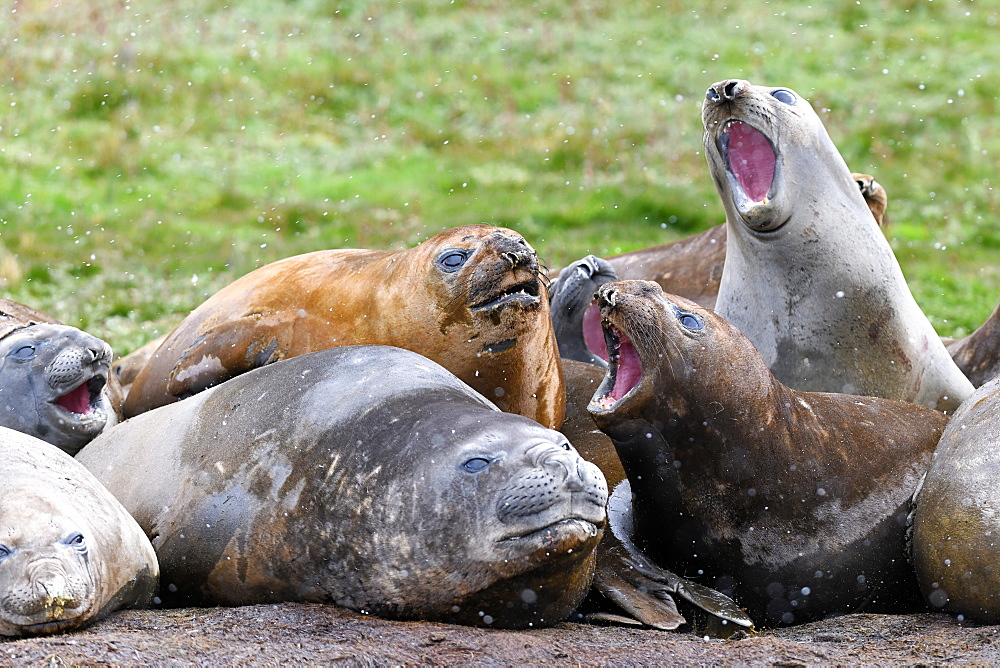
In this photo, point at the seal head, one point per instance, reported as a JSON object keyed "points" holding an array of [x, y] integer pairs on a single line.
{"points": [[794, 501], [53, 381], [365, 476], [69, 552]]}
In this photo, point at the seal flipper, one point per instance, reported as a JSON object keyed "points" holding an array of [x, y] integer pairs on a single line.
{"points": [[646, 591], [225, 351]]}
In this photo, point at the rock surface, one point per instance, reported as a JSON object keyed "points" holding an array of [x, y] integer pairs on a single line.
{"points": [[290, 634]]}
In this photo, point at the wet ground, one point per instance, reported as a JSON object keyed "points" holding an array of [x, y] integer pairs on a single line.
{"points": [[297, 634]]}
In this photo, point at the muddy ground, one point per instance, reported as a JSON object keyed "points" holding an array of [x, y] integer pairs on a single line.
{"points": [[297, 634]]}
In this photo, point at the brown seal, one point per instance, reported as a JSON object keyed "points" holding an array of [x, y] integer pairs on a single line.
{"points": [[692, 267], [128, 367], [795, 501], [69, 552], [808, 278], [978, 354], [469, 298], [957, 518], [364, 476]]}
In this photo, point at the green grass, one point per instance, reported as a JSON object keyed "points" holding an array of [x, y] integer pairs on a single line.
{"points": [[153, 152]]}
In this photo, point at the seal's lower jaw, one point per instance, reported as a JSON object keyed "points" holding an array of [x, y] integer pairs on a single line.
{"points": [[524, 295], [751, 170], [48, 628], [557, 539], [624, 372]]}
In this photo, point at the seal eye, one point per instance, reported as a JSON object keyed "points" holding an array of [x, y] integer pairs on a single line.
{"points": [[24, 353], [4, 552], [75, 540], [784, 95], [691, 321], [452, 260], [476, 464]]}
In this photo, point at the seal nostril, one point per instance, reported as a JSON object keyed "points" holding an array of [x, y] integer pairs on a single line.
{"points": [[712, 95], [731, 89]]}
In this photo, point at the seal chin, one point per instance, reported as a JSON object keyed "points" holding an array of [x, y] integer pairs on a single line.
{"points": [[624, 371], [752, 170]]}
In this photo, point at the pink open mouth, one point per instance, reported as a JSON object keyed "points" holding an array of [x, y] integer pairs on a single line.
{"points": [[751, 159], [628, 370], [593, 333], [76, 401], [624, 369]]}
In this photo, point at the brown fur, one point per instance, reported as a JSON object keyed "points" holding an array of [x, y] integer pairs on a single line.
{"points": [[400, 298]]}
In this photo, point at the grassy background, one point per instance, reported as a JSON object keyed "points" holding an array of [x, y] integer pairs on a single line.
{"points": [[153, 152]]}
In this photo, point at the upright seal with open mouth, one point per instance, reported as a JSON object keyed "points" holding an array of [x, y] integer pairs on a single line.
{"points": [[796, 502], [808, 278]]}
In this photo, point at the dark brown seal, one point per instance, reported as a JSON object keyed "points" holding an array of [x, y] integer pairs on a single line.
{"points": [[364, 476], [956, 530], [808, 278], [69, 552], [624, 576], [978, 354], [794, 501], [469, 298]]}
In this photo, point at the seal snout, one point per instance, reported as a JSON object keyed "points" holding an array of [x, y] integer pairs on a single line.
{"points": [[728, 90]]}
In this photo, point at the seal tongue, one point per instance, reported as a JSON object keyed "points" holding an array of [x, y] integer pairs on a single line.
{"points": [[629, 371], [593, 333], [751, 160], [76, 401]]}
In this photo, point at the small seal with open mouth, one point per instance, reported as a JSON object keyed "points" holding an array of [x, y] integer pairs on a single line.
{"points": [[54, 383], [809, 280], [796, 502], [471, 298]]}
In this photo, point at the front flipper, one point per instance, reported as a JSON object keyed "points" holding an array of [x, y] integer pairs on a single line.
{"points": [[647, 592], [225, 351]]}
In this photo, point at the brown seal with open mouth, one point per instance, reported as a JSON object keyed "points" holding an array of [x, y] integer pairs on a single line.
{"points": [[471, 298], [796, 502]]}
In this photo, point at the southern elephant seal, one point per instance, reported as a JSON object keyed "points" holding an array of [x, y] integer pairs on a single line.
{"points": [[54, 383], [957, 517], [469, 298], [364, 476], [808, 278], [69, 552], [794, 501]]}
